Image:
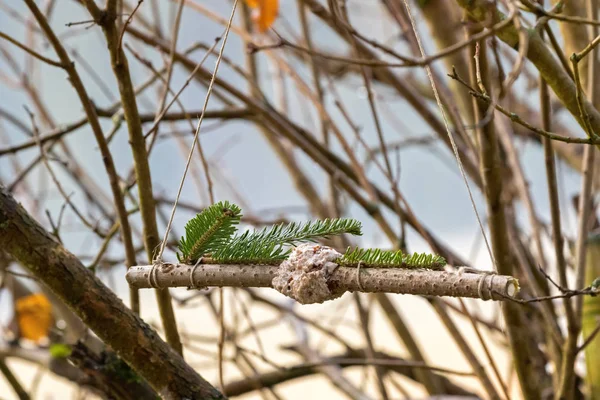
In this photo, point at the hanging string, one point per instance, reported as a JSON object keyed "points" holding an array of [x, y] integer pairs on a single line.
{"points": [[196, 134], [450, 136]]}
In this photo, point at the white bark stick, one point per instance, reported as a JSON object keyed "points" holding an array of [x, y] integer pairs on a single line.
{"points": [[342, 279]]}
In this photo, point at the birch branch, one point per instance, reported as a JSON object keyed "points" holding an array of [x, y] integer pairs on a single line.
{"points": [[342, 279]]}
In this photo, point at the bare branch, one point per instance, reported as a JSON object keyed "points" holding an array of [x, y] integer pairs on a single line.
{"points": [[371, 280]]}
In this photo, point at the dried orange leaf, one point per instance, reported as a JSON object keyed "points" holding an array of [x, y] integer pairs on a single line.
{"points": [[265, 12], [34, 313]]}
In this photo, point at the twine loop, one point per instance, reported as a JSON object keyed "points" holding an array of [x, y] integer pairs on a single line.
{"points": [[489, 294], [192, 283], [358, 276], [152, 276]]}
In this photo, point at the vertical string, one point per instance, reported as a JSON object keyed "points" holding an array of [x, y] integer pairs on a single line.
{"points": [[196, 134], [450, 136]]}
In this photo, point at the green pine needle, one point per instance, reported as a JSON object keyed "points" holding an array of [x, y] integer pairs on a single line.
{"points": [[270, 245], [377, 258], [209, 231]]}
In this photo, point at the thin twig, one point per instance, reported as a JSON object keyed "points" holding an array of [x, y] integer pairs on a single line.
{"points": [[539, 9], [13, 381], [590, 338], [31, 51], [59, 186], [406, 61], [170, 64], [514, 117], [127, 22]]}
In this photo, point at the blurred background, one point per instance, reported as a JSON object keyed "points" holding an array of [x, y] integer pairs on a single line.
{"points": [[246, 165]]}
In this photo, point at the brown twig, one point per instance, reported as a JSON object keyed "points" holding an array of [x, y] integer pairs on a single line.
{"points": [[589, 339], [594, 140], [13, 381], [31, 51], [127, 22]]}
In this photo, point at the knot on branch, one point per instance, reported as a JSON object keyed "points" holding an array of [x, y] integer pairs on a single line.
{"points": [[304, 275], [105, 18]]}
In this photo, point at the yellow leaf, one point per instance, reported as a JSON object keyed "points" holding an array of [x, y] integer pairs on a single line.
{"points": [[34, 313], [266, 12]]}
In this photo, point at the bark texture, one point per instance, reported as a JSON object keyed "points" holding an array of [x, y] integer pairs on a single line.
{"points": [[367, 280], [97, 306]]}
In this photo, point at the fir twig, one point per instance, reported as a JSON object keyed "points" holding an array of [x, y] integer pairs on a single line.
{"points": [[271, 245], [377, 258], [209, 231]]}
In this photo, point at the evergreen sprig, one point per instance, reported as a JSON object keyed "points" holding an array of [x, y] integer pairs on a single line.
{"points": [[209, 231], [377, 258], [212, 233], [271, 245]]}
